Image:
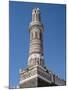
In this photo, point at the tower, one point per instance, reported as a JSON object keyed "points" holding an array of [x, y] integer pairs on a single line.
{"points": [[36, 74], [36, 40]]}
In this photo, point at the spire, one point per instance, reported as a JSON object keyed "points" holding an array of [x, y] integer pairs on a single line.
{"points": [[36, 19], [36, 14]]}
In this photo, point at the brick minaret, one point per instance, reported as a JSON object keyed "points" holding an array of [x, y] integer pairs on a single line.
{"points": [[36, 40], [36, 74]]}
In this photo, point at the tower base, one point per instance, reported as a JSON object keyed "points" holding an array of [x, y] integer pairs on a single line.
{"points": [[36, 82], [38, 76]]}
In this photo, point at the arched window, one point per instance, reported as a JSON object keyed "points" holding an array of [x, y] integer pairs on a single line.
{"points": [[36, 35]]}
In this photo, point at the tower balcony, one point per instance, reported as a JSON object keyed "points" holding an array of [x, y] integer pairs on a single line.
{"points": [[35, 23]]}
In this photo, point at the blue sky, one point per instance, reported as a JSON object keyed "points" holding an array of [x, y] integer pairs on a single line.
{"points": [[53, 18]]}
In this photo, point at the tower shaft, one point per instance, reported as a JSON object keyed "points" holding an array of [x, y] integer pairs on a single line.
{"points": [[36, 40]]}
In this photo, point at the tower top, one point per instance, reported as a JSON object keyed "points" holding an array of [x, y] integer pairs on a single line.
{"points": [[35, 11], [36, 14], [36, 19]]}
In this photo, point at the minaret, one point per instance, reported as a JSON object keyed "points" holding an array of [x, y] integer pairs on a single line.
{"points": [[36, 40], [36, 74]]}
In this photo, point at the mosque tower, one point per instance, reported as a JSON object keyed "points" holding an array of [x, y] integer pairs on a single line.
{"points": [[36, 74]]}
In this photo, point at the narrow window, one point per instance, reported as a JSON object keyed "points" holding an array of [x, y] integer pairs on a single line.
{"points": [[36, 35], [31, 35], [40, 36]]}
